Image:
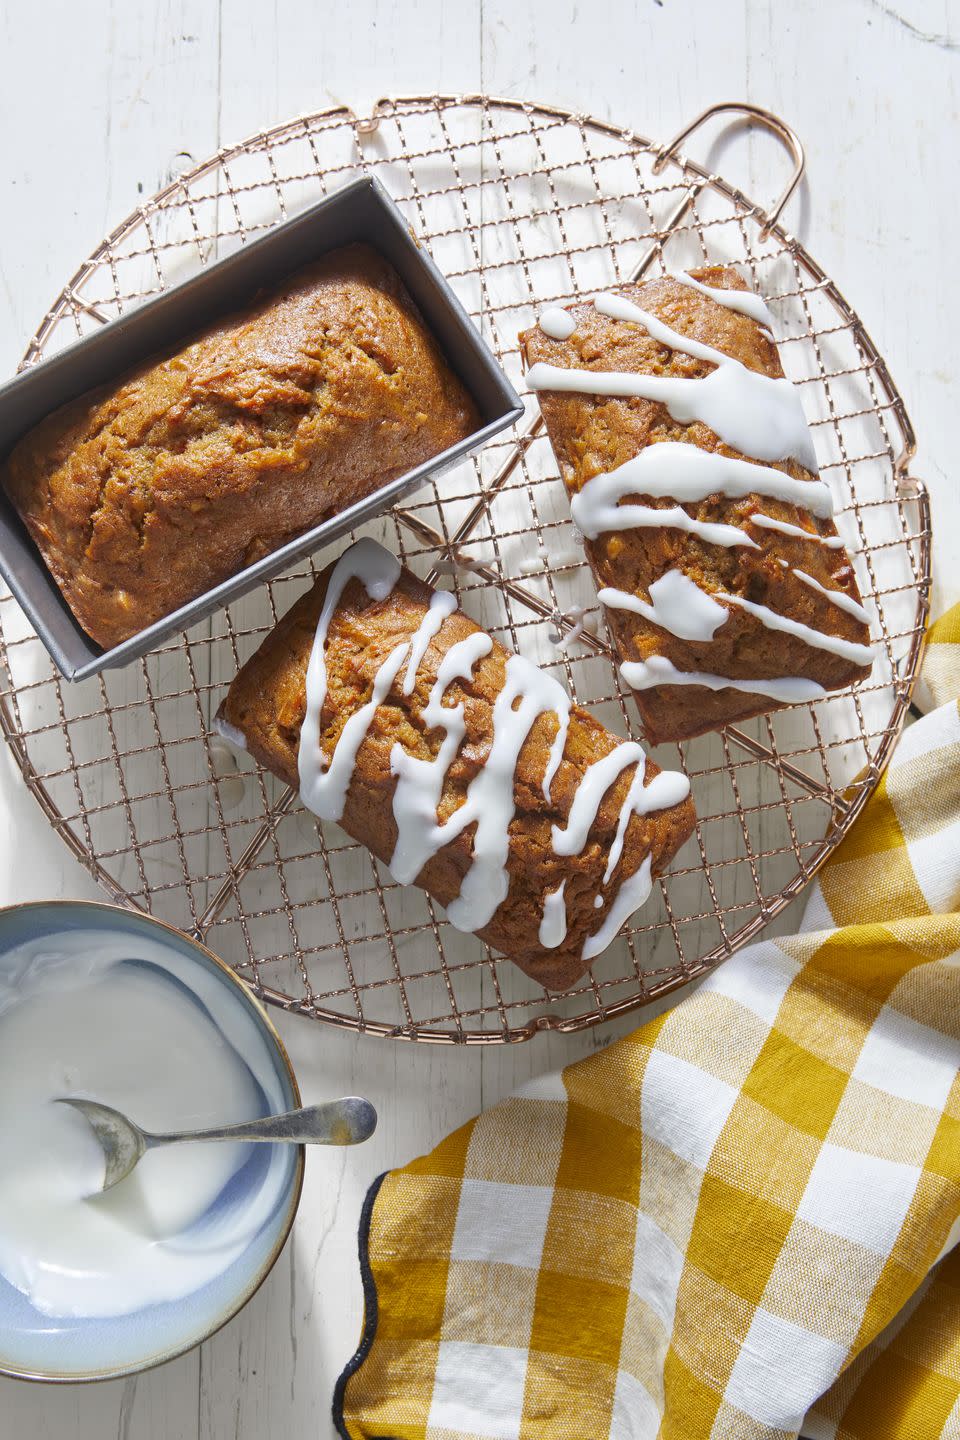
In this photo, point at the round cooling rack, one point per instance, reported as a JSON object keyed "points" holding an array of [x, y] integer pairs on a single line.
{"points": [[520, 205]]}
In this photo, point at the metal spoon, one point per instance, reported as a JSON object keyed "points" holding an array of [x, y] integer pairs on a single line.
{"points": [[338, 1122]]}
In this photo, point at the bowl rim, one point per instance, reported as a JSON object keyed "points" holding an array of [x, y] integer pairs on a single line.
{"points": [[259, 1010]]}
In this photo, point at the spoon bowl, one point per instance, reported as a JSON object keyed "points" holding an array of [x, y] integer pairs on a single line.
{"points": [[348, 1121]]}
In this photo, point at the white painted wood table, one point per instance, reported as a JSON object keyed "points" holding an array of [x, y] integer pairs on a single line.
{"points": [[103, 102]]}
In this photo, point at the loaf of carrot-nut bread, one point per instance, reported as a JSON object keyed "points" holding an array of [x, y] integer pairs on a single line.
{"points": [[693, 481], [144, 494], [465, 769]]}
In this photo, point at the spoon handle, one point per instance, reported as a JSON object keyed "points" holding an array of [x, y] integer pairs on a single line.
{"points": [[338, 1122]]}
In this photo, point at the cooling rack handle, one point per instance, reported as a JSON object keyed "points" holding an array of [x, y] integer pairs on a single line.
{"points": [[765, 118]]}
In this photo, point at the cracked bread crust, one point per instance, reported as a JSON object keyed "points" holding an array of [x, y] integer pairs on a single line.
{"points": [[267, 702], [593, 434], [146, 493]]}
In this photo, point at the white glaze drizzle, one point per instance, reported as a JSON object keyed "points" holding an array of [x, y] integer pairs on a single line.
{"points": [[682, 607], [537, 562], [768, 522], [666, 789], [459, 561], [752, 412], [633, 893], [559, 324], [711, 532], [658, 670], [562, 708], [442, 604], [416, 799], [229, 732], [489, 801], [578, 615], [329, 792], [676, 603], [818, 639], [603, 514], [676, 471], [633, 804], [746, 302], [323, 788], [718, 400], [230, 782], [553, 925], [570, 839], [840, 598]]}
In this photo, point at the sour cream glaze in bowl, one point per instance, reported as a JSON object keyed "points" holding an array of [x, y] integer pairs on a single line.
{"points": [[109, 1004]]}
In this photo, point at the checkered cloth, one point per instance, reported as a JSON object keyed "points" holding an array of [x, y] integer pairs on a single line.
{"points": [[728, 1224]]}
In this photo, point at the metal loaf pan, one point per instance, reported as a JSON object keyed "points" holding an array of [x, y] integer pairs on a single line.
{"points": [[360, 210]]}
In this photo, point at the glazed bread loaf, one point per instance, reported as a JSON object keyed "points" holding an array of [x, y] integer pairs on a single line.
{"points": [[463, 768], [693, 481], [149, 492]]}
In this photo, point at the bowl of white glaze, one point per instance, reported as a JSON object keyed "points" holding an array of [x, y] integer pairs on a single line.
{"points": [[110, 1004]]}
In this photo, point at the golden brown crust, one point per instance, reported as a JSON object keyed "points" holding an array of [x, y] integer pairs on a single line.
{"points": [[592, 434], [146, 493], [267, 702]]}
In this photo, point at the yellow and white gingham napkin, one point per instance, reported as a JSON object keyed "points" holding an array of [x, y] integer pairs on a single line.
{"points": [[728, 1224]]}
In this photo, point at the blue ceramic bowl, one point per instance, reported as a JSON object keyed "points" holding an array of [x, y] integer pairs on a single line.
{"points": [[36, 1347]]}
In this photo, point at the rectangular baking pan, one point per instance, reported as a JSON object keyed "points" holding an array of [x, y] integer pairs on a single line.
{"points": [[360, 210]]}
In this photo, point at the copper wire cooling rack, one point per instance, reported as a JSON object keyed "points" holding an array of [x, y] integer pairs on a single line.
{"points": [[520, 205]]}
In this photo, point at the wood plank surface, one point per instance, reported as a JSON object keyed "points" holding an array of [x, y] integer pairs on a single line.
{"points": [[103, 102]]}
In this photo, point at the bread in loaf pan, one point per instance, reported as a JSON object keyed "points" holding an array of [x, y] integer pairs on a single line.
{"points": [[151, 491]]}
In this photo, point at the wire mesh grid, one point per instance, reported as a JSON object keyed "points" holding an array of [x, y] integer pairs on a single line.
{"points": [[520, 205]]}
